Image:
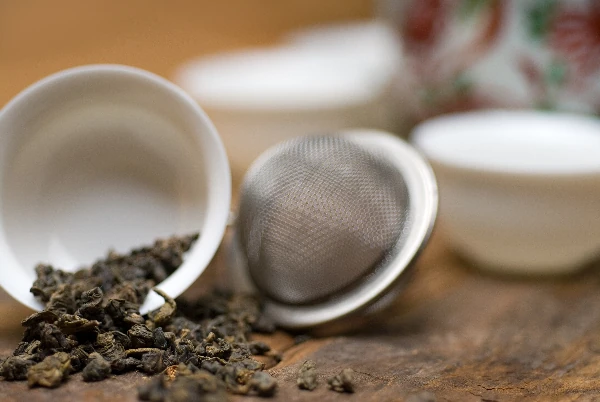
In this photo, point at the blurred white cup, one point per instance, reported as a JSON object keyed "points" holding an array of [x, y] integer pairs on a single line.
{"points": [[519, 190], [260, 97]]}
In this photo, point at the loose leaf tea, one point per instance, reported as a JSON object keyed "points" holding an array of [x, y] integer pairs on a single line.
{"points": [[50, 372], [15, 368], [263, 383], [307, 376], [97, 368], [342, 382], [184, 383], [92, 323], [194, 350]]}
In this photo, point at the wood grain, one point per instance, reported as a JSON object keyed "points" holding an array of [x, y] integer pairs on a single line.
{"points": [[455, 333]]}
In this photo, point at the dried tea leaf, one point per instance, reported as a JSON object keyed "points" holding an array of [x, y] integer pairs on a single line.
{"points": [[186, 385], [307, 376], [200, 386], [51, 337], [14, 368], [92, 324], [51, 372], [141, 336], [124, 365], [36, 318], [123, 312], [107, 346], [170, 251], [154, 390], [48, 280], [27, 348], [263, 384], [80, 356], [97, 368], [165, 313], [91, 303], [342, 382], [72, 324], [62, 301], [160, 340], [121, 338], [153, 362]]}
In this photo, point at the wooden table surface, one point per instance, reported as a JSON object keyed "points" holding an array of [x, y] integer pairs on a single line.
{"points": [[456, 333]]}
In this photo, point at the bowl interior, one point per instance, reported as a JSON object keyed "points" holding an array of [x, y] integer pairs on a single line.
{"points": [[513, 142], [99, 160]]}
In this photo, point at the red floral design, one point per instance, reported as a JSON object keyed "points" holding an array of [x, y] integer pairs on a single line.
{"points": [[575, 35], [437, 61], [424, 23]]}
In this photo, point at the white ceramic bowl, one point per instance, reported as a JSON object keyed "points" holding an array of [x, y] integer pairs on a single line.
{"points": [[258, 98], [106, 156], [519, 190]]}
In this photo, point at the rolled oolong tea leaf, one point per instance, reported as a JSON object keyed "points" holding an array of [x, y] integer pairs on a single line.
{"points": [[107, 346], [51, 372], [51, 337], [48, 280], [201, 349], [124, 365], [80, 356], [307, 376], [124, 313], [152, 359], [183, 383], [91, 304], [97, 368], [141, 336], [263, 384], [200, 386], [14, 368], [73, 324], [342, 382], [155, 390]]}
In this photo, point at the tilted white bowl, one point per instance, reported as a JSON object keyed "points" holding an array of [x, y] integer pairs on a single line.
{"points": [[106, 156]]}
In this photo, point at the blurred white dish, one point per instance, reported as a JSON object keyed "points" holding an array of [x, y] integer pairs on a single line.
{"points": [[519, 190], [260, 97], [370, 45], [106, 156]]}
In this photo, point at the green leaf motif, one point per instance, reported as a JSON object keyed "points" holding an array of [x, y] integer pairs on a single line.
{"points": [[462, 83], [470, 8], [545, 105], [556, 74], [539, 18]]}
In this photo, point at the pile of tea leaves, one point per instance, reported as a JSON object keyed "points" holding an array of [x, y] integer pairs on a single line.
{"points": [[91, 323]]}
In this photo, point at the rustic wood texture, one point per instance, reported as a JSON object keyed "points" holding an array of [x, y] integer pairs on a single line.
{"points": [[456, 334]]}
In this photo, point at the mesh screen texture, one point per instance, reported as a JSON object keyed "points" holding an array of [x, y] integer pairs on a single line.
{"points": [[317, 216]]}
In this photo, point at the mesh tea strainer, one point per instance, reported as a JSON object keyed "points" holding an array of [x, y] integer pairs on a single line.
{"points": [[327, 225]]}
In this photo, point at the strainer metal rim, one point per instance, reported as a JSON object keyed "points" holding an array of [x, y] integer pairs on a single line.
{"points": [[423, 193]]}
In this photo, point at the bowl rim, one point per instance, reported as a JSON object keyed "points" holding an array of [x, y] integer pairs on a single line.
{"points": [[218, 198], [422, 138]]}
